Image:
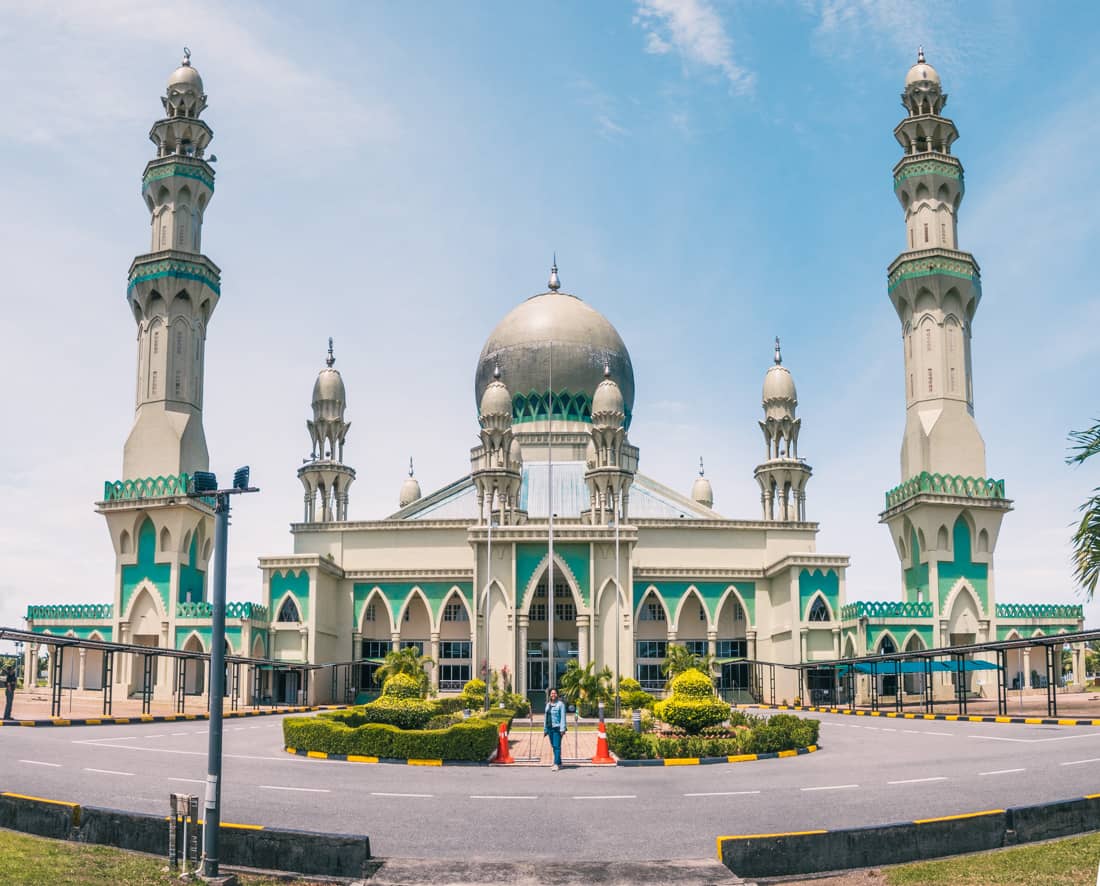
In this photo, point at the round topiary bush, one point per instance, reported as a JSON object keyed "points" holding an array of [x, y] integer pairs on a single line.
{"points": [[692, 714], [692, 683], [401, 686], [474, 689]]}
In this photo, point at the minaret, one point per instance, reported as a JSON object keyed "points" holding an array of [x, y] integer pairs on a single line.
{"points": [[324, 475], [783, 476], [497, 464], [946, 509], [610, 460], [173, 290]]}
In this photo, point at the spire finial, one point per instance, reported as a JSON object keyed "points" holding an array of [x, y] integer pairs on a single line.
{"points": [[700, 466], [778, 355], [410, 465], [186, 58], [330, 359], [496, 372], [606, 369], [554, 285], [920, 55]]}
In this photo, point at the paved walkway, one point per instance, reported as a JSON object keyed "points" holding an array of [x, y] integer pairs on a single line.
{"points": [[79, 705], [575, 746]]}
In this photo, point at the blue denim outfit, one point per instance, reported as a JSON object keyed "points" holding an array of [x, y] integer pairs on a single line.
{"points": [[555, 726]]}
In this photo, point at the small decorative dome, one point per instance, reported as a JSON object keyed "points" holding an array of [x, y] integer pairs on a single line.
{"points": [[779, 390], [701, 491], [515, 453], [608, 398], [185, 97], [496, 400], [410, 489], [329, 396], [922, 73]]}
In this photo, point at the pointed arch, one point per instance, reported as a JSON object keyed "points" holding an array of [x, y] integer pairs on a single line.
{"points": [[655, 592], [259, 647], [147, 587], [961, 592], [376, 596], [691, 591], [289, 611], [413, 593], [913, 635], [539, 573], [849, 646], [165, 540], [457, 595], [609, 584], [124, 543], [185, 548], [886, 635], [983, 542], [962, 534], [941, 538], [818, 609], [733, 592], [146, 610], [197, 638]]}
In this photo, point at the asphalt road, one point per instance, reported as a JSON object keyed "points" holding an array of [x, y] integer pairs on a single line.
{"points": [[867, 772]]}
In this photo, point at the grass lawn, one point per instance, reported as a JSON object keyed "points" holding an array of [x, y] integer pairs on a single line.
{"points": [[36, 861], [1069, 862]]}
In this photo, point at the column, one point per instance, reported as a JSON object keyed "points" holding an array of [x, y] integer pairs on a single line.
{"points": [[1079, 664], [804, 644], [435, 659], [356, 645], [30, 667], [836, 642], [582, 640], [712, 643], [1027, 667], [123, 660], [521, 669], [80, 672], [395, 640], [750, 642]]}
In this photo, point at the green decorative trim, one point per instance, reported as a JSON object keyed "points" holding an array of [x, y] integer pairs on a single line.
{"points": [[928, 167], [70, 611], [233, 609], [397, 594], [182, 170], [146, 568], [146, 487], [672, 593], [885, 609], [945, 484], [812, 582], [575, 556], [81, 632], [174, 267], [1040, 610], [931, 266], [916, 576], [563, 405], [963, 567], [296, 581]]}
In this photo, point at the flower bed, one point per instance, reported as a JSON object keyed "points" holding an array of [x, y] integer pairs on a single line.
{"points": [[747, 734], [471, 740]]}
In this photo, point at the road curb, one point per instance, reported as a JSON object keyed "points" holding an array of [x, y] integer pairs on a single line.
{"points": [[959, 718], [825, 851], [57, 722], [710, 761], [360, 758]]}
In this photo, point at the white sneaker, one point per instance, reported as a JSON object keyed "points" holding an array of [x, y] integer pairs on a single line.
{"points": [[554, 768]]}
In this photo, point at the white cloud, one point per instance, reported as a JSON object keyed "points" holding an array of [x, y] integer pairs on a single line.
{"points": [[694, 30]]}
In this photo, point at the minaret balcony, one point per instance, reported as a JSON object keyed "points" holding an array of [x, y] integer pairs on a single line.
{"points": [[927, 163], [178, 165], [174, 263], [931, 262]]}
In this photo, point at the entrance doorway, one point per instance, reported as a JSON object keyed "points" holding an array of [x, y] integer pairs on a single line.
{"points": [[537, 655]]}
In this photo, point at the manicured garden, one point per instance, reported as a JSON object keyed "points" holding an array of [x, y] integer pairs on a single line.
{"points": [[403, 723]]}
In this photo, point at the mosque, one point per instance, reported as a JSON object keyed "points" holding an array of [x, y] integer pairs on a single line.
{"points": [[554, 546]]}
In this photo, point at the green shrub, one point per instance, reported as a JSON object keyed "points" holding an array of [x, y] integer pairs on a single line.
{"points": [[518, 703], [452, 704], [401, 686], [701, 746], [474, 690], [498, 715], [442, 721], [783, 732], [692, 683], [627, 744], [629, 684], [690, 713], [405, 713], [636, 699], [471, 740]]}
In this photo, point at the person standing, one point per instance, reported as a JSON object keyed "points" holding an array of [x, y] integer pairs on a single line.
{"points": [[555, 726], [9, 693]]}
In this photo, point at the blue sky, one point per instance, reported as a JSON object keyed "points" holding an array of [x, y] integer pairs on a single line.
{"points": [[711, 174]]}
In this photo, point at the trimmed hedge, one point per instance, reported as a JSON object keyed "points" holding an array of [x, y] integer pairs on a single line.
{"points": [[692, 714], [692, 683], [782, 732], [401, 686], [763, 735], [472, 740]]}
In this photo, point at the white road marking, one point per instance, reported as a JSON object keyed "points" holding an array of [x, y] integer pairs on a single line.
{"points": [[503, 797], [188, 780], [948, 734], [178, 733], [1002, 771], [40, 763], [605, 797], [277, 787], [832, 787], [107, 771], [721, 793], [888, 729], [1035, 740], [388, 794], [1076, 762], [133, 747], [918, 780]]}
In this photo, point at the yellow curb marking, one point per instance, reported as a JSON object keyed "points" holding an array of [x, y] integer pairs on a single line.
{"points": [[413, 762], [681, 761], [958, 817], [355, 758]]}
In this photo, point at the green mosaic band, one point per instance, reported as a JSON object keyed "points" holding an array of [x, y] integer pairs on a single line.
{"points": [[174, 267], [233, 609], [70, 611], [146, 487], [928, 167], [885, 609], [1040, 610], [181, 170], [945, 484], [933, 266]]}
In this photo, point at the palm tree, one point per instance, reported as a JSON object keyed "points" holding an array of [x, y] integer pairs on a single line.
{"points": [[405, 661], [1086, 539], [585, 686], [680, 659]]}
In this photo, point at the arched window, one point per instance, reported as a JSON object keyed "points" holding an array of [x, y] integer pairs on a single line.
{"points": [[819, 611], [370, 613], [156, 342], [289, 611], [926, 233]]}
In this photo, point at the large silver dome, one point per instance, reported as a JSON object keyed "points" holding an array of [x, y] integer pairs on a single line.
{"points": [[583, 343]]}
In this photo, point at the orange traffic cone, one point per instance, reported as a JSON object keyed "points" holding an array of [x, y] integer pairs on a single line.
{"points": [[503, 755], [603, 752]]}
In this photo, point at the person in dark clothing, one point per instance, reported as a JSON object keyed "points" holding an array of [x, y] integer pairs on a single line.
{"points": [[9, 693]]}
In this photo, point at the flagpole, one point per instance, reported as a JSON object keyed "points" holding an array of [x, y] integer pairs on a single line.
{"points": [[552, 677]]}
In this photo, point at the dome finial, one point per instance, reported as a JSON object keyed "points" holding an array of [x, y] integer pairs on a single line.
{"points": [[330, 359], [700, 466], [554, 285], [410, 465], [778, 355], [606, 369], [186, 63], [920, 55], [496, 372]]}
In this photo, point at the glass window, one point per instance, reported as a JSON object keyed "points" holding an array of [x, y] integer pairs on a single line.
{"points": [[455, 612], [649, 675], [289, 610], [418, 645], [454, 649], [565, 612], [453, 677], [369, 614], [652, 649], [696, 647], [376, 648], [702, 614], [819, 611], [731, 648], [652, 611], [538, 612]]}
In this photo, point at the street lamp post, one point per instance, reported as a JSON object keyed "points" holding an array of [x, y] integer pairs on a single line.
{"points": [[488, 596], [204, 485], [618, 616]]}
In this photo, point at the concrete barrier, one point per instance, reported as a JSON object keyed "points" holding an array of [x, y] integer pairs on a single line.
{"points": [[1050, 820], [811, 852], [246, 845]]}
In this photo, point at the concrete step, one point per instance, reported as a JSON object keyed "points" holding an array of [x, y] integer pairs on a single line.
{"points": [[441, 872]]}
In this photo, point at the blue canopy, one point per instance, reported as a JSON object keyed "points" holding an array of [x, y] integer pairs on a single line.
{"points": [[887, 668]]}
